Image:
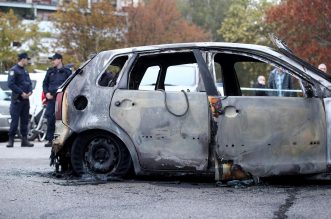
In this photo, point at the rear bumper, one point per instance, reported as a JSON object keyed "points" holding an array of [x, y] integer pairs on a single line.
{"points": [[63, 133]]}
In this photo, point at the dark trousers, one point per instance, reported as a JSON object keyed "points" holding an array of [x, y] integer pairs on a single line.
{"points": [[50, 115], [19, 111]]}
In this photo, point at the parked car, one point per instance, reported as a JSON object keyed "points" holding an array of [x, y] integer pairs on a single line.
{"points": [[4, 85], [4, 115], [109, 128], [37, 83]]}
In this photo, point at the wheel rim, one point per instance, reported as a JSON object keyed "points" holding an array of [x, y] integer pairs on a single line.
{"points": [[31, 128], [43, 131], [101, 155]]}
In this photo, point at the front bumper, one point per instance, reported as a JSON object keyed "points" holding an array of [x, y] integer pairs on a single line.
{"points": [[4, 123]]}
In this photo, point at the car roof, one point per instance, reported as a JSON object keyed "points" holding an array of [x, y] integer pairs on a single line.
{"points": [[193, 45]]}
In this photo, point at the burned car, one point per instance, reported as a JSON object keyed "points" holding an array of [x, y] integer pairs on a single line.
{"points": [[4, 115], [111, 124]]}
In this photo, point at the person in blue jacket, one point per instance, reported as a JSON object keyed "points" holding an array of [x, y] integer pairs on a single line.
{"points": [[281, 82], [20, 84], [54, 77]]}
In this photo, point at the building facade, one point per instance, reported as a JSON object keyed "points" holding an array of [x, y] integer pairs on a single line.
{"points": [[41, 9]]}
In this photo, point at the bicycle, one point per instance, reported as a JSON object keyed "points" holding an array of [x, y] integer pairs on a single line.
{"points": [[38, 126]]}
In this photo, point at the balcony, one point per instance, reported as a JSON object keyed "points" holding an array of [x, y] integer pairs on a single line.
{"points": [[37, 4], [30, 9]]}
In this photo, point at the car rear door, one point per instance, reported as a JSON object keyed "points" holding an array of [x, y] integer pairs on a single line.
{"points": [[163, 140], [170, 129]]}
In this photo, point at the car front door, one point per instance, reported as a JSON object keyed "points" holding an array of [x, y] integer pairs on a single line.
{"points": [[273, 134]]}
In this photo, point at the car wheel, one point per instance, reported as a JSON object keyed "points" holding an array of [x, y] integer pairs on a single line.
{"points": [[98, 153]]}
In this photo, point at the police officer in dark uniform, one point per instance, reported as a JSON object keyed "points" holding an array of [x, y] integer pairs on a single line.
{"points": [[55, 76], [20, 84]]}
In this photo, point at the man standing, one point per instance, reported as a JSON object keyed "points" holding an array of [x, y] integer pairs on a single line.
{"points": [[322, 67], [55, 76], [282, 82], [20, 84], [260, 85]]}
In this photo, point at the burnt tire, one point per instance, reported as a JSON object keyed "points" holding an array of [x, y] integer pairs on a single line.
{"points": [[100, 154]]}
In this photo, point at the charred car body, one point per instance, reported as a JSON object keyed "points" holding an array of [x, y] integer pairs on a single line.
{"points": [[111, 124]]}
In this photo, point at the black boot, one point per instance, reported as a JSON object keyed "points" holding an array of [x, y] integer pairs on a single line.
{"points": [[48, 144], [10, 142], [25, 142]]}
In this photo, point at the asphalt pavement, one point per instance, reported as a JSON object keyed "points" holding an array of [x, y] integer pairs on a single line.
{"points": [[29, 189]]}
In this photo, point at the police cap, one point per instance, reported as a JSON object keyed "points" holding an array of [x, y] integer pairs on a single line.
{"points": [[23, 55], [55, 56]]}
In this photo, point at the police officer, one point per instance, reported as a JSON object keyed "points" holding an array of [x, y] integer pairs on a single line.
{"points": [[54, 77], [20, 84]]}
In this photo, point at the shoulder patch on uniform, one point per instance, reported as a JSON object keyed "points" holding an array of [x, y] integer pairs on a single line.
{"points": [[11, 72]]}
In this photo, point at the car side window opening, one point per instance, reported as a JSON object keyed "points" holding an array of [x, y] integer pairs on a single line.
{"points": [[109, 76], [177, 78], [149, 79], [4, 85], [181, 75], [249, 76], [218, 78], [168, 71]]}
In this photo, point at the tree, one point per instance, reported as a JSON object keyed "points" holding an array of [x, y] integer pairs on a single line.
{"points": [[208, 15], [159, 21], [305, 26], [13, 34], [84, 31], [245, 22]]}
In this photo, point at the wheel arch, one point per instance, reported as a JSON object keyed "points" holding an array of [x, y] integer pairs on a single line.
{"points": [[129, 145]]}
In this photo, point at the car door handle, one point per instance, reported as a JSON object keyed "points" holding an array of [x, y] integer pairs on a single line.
{"points": [[118, 103]]}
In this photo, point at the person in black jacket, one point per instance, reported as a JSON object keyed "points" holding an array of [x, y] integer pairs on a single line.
{"points": [[54, 77], [260, 85], [20, 84]]}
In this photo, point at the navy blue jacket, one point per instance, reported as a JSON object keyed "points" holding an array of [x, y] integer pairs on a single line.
{"points": [[19, 81], [54, 78]]}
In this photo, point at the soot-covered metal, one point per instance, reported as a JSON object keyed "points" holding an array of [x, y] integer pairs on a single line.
{"points": [[184, 109]]}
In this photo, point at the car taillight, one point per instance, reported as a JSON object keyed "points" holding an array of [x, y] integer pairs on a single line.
{"points": [[58, 106]]}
